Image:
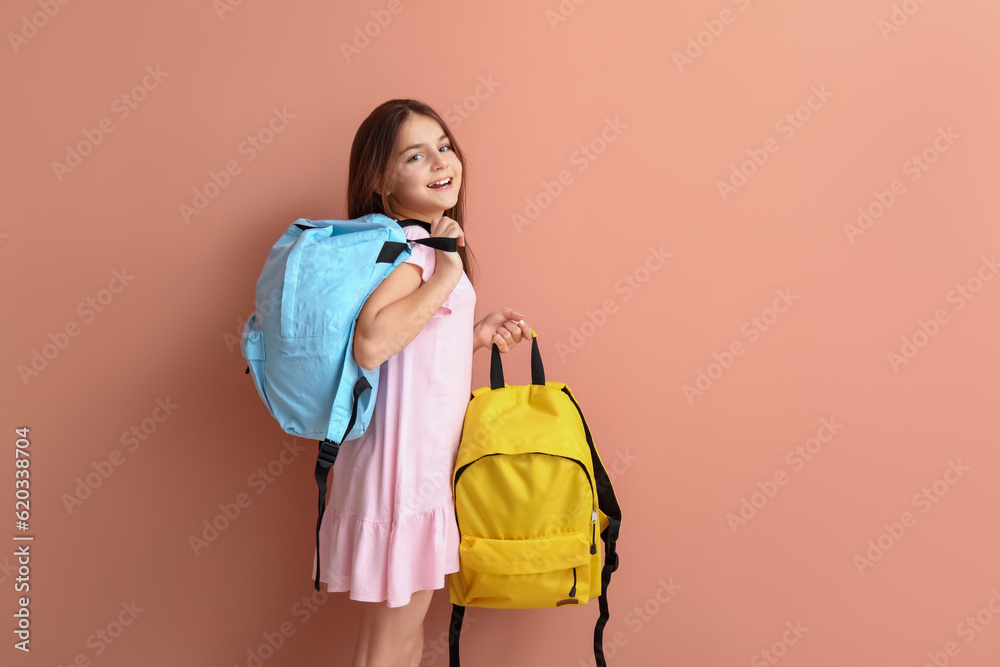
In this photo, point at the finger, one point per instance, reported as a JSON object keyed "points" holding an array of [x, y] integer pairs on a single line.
{"points": [[523, 331], [456, 232]]}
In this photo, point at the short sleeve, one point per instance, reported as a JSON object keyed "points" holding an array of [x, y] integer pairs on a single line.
{"points": [[420, 255], [425, 259]]}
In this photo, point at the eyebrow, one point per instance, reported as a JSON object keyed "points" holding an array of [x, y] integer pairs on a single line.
{"points": [[408, 148]]}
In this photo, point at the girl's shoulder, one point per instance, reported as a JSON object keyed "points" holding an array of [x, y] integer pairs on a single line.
{"points": [[415, 232]]}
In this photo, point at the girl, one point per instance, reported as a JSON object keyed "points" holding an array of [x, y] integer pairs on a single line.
{"points": [[389, 534]]}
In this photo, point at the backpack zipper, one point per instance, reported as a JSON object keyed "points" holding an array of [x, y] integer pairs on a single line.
{"points": [[572, 591], [593, 533]]}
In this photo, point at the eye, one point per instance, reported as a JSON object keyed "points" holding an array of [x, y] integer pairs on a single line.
{"points": [[448, 146]]}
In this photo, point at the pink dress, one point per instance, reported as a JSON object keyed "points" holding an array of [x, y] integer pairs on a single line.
{"points": [[389, 528]]}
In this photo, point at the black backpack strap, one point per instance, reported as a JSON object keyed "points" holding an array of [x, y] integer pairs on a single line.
{"points": [[454, 633], [328, 450], [445, 243], [391, 249], [608, 504], [610, 536]]}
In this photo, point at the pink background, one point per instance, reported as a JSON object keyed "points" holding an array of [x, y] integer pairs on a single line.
{"points": [[526, 89]]}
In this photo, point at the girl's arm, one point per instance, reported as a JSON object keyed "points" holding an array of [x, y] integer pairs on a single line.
{"points": [[399, 309]]}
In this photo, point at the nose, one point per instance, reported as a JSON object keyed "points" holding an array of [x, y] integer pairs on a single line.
{"points": [[440, 160]]}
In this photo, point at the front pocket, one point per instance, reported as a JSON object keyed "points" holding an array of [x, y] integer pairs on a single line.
{"points": [[543, 554], [524, 574], [536, 510], [252, 347]]}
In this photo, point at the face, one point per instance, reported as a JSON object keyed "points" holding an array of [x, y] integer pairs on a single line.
{"points": [[423, 156]]}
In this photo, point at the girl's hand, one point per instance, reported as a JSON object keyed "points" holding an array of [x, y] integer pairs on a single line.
{"points": [[445, 227], [504, 327]]}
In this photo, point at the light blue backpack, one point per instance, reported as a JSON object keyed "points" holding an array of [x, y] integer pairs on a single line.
{"points": [[299, 344]]}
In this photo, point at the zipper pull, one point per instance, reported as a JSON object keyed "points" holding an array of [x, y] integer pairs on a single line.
{"points": [[572, 591], [593, 534]]}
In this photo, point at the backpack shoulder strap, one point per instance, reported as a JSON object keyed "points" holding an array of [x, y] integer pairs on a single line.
{"points": [[609, 505], [454, 633], [437, 242]]}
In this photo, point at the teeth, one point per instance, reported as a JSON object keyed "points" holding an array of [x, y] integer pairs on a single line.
{"points": [[441, 182]]}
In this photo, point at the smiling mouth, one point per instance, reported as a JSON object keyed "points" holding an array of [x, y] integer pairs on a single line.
{"points": [[443, 183]]}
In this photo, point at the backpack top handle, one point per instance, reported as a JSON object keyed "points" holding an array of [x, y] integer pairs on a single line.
{"points": [[537, 370]]}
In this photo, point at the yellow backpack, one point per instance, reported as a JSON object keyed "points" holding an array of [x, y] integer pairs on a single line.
{"points": [[531, 499]]}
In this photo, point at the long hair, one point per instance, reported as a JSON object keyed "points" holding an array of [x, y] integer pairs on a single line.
{"points": [[371, 163]]}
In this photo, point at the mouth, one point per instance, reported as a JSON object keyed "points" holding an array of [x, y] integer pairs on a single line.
{"points": [[443, 184]]}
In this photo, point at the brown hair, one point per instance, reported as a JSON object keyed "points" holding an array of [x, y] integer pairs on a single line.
{"points": [[371, 163]]}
